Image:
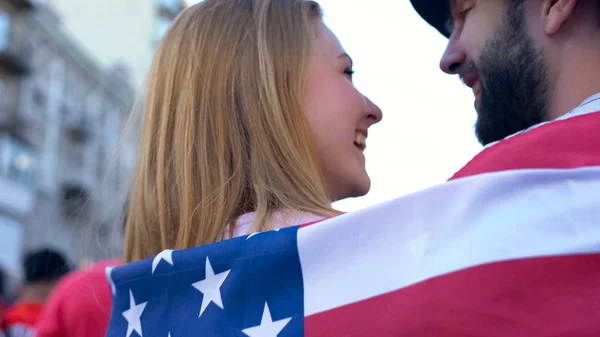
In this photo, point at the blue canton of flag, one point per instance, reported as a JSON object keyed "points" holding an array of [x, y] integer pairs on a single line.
{"points": [[247, 286]]}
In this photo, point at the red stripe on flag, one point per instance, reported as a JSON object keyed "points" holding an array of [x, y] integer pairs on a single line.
{"points": [[310, 223], [570, 143], [549, 296], [316, 222]]}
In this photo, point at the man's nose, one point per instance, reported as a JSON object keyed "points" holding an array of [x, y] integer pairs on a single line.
{"points": [[453, 58]]}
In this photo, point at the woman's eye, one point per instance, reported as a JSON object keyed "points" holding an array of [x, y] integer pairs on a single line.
{"points": [[349, 72]]}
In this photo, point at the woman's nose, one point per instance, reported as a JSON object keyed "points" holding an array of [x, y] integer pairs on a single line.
{"points": [[374, 112]]}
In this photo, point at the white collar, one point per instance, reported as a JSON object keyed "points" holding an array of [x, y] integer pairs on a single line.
{"points": [[282, 220], [589, 105]]}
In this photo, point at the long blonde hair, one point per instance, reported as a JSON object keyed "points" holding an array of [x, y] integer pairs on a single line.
{"points": [[223, 127]]}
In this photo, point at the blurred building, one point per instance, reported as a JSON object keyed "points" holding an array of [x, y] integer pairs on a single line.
{"points": [[61, 117], [123, 32]]}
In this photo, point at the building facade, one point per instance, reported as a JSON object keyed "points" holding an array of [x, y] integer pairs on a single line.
{"points": [[63, 163], [121, 33]]}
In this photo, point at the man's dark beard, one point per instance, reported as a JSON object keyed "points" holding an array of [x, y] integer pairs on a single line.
{"points": [[513, 74]]}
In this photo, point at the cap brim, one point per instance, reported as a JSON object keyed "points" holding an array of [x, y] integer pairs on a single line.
{"points": [[435, 12]]}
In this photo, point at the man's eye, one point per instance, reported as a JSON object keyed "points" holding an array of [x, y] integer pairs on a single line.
{"points": [[449, 26]]}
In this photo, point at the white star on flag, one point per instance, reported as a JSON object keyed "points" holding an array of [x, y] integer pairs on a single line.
{"points": [[133, 316], [108, 271], [210, 287], [166, 255], [267, 327]]}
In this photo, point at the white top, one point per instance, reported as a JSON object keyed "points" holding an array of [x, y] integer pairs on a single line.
{"points": [[244, 222]]}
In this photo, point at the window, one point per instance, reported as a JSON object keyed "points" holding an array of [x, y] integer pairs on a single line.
{"points": [[73, 154], [17, 161], [2, 86], [64, 112], [39, 98], [10, 243], [27, 54], [4, 30], [75, 200], [101, 163]]}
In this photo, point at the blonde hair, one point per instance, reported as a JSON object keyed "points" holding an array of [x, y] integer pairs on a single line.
{"points": [[223, 126]]}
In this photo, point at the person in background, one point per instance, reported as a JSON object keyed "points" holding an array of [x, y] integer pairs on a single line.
{"points": [[2, 286], [80, 305], [42, 271]]}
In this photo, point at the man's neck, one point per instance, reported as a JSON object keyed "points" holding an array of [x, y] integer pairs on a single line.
{"points": [[578, 79], [37, 293]]}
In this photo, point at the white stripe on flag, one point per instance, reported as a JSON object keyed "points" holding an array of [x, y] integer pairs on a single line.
{"points": [[463, 223]]}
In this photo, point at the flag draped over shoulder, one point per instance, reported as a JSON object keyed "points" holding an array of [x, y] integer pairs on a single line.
{"points": [[509, 247]]}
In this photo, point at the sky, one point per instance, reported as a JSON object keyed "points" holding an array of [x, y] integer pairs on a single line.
{"points": [[426, 134]]}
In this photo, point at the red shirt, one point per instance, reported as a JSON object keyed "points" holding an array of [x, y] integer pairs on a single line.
{"points": [[22, 317], [79, 306]]}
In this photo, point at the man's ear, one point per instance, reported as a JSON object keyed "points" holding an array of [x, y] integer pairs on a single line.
{"points": [[555, 13]]}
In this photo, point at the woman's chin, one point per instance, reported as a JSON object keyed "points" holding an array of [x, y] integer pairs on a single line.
{"points": [[358, 188]]}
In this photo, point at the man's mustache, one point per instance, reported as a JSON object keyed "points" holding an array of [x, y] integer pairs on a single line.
{"points": [[467, 69]]}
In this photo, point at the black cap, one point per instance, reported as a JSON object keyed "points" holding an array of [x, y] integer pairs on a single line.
{"points": [[435, 12], [44, 266]]}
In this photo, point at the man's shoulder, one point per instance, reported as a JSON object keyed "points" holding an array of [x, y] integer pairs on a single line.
{"points": [[565, 143]]}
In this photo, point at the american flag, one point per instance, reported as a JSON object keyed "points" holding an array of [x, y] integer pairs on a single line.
{"points": [[510, 247]]}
